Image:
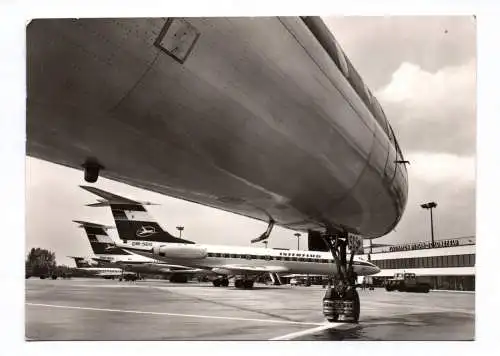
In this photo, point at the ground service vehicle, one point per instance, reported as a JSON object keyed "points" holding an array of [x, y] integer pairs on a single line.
{"points": [[406, 282]]}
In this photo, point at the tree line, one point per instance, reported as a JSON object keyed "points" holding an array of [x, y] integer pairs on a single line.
{"points": [[41, 262]]}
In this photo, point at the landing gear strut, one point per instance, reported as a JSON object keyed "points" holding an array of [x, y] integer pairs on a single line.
{"points": [[341, 301]]}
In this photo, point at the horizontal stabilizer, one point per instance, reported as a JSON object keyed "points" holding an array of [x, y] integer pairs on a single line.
{"points": [[98, 205], [101, 260], [95, 225], [110, 198], [76, 257], [109, 203]]}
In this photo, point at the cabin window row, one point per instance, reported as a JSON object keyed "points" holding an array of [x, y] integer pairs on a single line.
{"points": [[428, 262], [293, 254], [269, 258]]}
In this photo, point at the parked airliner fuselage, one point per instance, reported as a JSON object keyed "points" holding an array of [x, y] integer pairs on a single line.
{"points": [[227, 259]]}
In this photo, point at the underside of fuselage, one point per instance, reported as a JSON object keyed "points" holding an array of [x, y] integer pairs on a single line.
{"points": [[256, 120]]}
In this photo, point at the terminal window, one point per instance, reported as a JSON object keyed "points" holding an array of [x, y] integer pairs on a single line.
{"points": [[428, 262]]}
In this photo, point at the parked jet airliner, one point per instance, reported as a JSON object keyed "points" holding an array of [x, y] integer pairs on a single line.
{"points": [[91, 266], [244, 263], [107, 253]]}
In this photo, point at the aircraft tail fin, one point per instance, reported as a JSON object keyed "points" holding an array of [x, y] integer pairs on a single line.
{"points": [[132, 220], [100, 242], [81, 262]]}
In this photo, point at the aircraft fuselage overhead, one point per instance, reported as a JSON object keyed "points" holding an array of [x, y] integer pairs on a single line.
{"points": [[264, 117]]}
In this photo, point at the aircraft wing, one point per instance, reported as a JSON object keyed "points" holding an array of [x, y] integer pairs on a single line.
{"points": [[107, 273], [190, 271], [254, 269], [162, 267], [166, 268]]}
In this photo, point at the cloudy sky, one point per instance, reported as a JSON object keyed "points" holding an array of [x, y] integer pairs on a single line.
{"points": [[422, 69]]}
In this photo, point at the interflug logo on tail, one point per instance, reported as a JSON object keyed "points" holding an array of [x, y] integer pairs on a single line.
{"points": [[145, 231]]}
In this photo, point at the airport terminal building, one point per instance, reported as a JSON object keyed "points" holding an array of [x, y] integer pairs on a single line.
{"points": [[448, 265]]}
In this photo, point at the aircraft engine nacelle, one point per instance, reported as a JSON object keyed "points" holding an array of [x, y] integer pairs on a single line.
{"points": [[181, 251]]}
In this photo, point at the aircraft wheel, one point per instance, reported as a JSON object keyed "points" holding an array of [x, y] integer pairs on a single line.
{"points": [[216, 282], [356, 306], [330, 305], [224, 282], [238, 283], [334, 306], [248, 284]]}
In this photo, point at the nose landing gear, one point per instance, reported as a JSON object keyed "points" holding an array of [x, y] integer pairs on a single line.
{"points": [[341, 301], [341, 306]]}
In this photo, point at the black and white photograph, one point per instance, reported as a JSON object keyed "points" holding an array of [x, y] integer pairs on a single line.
{"points": [[251, 178]]}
